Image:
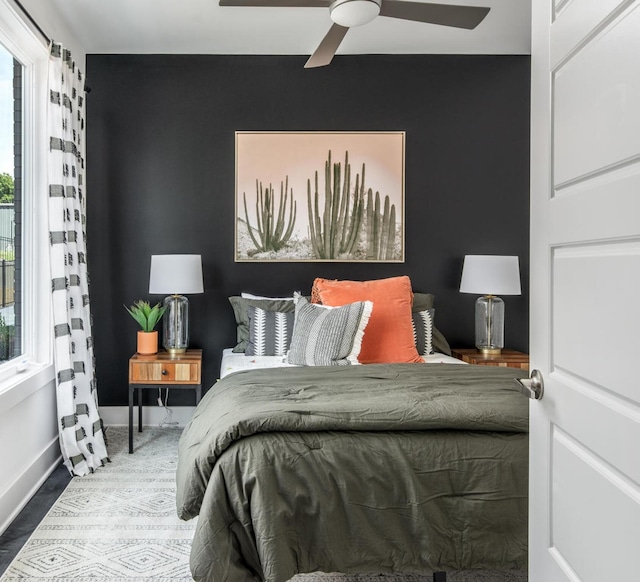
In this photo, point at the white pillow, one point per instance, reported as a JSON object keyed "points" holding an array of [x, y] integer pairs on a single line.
{"points": [[251, 296]]}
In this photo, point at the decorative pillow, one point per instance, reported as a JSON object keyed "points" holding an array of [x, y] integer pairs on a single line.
{"points": [[252, 296], [240, 310], [422, 301], [389, 337], [315, 291], [423, 331], [328, 336], [440, 343], [269, 332]]}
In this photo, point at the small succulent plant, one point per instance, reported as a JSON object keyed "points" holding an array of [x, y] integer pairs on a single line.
{"points": [[146, 316]]}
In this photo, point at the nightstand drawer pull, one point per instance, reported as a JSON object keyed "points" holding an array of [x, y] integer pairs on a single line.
{"points": [[532, 388], [164, 372]]}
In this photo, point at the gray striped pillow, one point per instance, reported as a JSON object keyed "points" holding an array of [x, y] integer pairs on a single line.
{"points": [[269, 332], [328, 336], [423, 331]]}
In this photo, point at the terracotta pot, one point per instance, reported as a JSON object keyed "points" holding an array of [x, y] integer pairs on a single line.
{"points": [[147, 342]]}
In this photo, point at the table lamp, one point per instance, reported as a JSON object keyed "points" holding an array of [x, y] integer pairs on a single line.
{"points": [[175, 275], [490, 276]]}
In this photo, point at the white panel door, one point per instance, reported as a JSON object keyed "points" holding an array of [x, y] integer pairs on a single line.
{"points": [[585, 291]]}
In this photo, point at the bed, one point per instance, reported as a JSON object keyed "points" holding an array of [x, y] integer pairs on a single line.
{"points": [[237, 362], [378, 468]]}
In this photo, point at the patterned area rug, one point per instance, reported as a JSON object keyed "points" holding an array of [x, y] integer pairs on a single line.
{"points": [[120, 525]]}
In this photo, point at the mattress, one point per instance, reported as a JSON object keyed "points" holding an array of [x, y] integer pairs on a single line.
{"points": [[238, 362]]}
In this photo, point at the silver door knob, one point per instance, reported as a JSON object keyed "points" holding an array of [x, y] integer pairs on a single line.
{"points": [[531, 387]]}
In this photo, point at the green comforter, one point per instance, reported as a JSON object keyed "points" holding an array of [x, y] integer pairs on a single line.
{"points": [[377, 468]]}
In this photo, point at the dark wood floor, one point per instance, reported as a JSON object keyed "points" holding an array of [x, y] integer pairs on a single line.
{"points": [[28, 519]]}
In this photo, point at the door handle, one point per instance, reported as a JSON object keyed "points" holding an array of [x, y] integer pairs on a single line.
{"points": [[531, 387]]}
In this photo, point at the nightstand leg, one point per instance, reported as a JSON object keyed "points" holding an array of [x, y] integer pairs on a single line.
{"points": [[198, 393], [130, 419], [139, 409]]}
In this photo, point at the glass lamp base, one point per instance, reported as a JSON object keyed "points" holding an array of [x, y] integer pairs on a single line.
{"points": [[490, 351], [489, 324], [176, 351], [175, 324]]}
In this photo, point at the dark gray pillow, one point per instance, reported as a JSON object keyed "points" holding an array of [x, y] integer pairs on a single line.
{"points": [[423, 331], [422, 301], [440, 344], [240, 311], [269, 332]]}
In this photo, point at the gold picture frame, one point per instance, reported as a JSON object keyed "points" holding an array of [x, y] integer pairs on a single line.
{"points": [[301, 197]]}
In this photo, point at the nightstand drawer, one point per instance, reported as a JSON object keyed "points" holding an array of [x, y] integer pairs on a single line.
{"points": [[170, 372]]}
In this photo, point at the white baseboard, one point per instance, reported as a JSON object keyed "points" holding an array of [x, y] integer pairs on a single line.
{"points": [[18, 494], [151, 415]]}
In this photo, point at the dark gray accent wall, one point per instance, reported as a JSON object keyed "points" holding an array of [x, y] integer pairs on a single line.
{"points": [[161, 179]]}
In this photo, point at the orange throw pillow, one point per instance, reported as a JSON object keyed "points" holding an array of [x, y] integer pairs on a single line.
{"points": [[388, 337]]}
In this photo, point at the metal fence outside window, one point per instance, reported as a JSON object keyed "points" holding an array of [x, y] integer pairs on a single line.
{"points": [[7, 278], [7, 271], [7, 254], [7, 282]]}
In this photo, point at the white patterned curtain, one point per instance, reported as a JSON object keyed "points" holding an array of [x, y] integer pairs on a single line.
{"points": [[81, 436]]}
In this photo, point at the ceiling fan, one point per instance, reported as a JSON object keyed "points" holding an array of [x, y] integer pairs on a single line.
{"points": [[349, 13]]}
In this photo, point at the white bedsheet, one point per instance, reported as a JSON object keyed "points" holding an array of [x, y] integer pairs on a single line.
{"points": [[238, 362]]}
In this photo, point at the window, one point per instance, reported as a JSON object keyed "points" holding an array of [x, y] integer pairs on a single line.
{"points": [[25, 335], [10, 204]]}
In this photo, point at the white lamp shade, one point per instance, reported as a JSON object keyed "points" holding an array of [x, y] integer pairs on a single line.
{"points": [[490, 275], [176, 275]]}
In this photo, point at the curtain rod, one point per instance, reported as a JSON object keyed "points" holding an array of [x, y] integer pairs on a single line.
{"points": [[44, 35], [32, 20]]}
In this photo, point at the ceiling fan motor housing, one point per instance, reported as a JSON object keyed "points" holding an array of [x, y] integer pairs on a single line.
{"points": [[351, 13]]}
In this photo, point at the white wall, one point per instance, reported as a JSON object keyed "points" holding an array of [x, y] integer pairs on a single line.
{"points": [[29, 448], [56, 28]]}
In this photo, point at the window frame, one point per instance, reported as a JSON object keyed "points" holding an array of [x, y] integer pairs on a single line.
{"points": [[34, 367]]}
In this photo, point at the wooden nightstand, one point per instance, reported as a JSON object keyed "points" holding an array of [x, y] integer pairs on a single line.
{"points": [[161, 370], [507, 359]]}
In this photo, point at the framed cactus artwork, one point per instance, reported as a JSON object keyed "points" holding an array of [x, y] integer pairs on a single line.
{"points": [[319, 196]]}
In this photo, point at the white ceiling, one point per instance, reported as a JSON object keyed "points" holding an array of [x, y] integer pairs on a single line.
{"points": [[203, 27]]}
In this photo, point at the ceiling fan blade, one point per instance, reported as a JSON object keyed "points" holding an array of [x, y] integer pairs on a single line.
{"points": [[277, 3], [327, 48], [444, 14]]}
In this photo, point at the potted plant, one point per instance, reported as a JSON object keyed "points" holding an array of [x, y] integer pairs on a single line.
{"points": [[147, 317]]}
